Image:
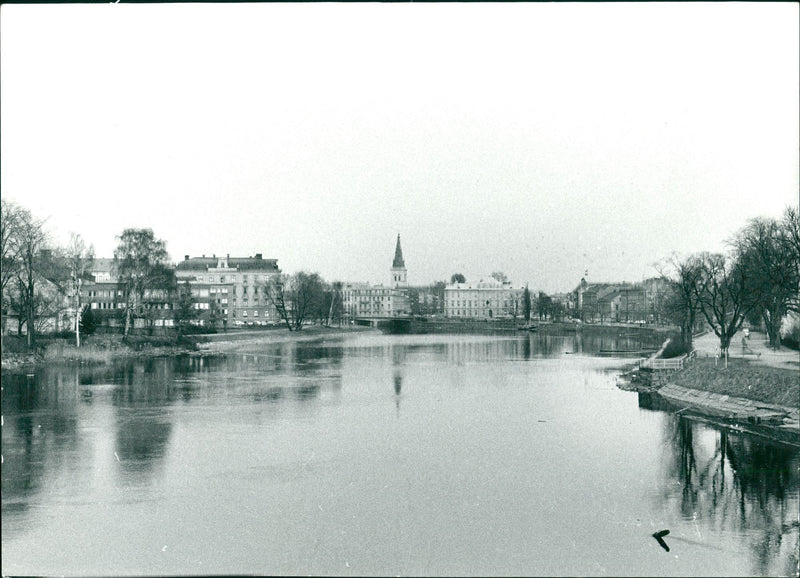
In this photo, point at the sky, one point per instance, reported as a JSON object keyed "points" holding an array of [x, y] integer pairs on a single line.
{"points": [[543, 140]]}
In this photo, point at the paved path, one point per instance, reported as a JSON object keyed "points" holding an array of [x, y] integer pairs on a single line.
{"points": [[707, 345]]}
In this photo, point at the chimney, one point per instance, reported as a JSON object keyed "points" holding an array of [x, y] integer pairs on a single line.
{"points": [[258, 256], [186, 257]]}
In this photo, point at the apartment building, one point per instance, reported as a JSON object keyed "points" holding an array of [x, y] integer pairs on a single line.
{"points": [[229, 289]]}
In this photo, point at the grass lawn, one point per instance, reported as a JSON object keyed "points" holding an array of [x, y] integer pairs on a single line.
{"points": [[742, 379]]}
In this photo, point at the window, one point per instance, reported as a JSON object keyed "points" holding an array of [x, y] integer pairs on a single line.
{"points": [[244, 313], [255, 313], [200, 278]]}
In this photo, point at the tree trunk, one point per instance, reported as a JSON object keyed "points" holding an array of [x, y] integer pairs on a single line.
{"points": [[78, 326], [772, 322], [126, 326]]}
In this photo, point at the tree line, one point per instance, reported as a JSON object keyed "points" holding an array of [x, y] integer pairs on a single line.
{"points": [[756, 280], [42, 281]]}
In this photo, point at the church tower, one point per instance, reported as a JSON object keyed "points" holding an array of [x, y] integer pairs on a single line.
{"points": [[399, 273]]}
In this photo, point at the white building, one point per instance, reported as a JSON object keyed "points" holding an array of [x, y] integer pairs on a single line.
{"points": [[365, 300], [486, 299]]}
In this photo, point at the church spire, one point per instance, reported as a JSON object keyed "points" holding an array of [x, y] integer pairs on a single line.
{"points": [[398, 262]]}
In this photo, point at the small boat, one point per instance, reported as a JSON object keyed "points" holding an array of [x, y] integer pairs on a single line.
{"points": [[529, 327]]}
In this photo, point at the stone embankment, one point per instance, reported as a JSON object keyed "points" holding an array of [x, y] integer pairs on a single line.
{"points": [[755, 389]]}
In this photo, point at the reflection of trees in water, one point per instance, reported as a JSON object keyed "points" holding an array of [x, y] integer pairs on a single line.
{"points": [[738, 485], [39, 433], [142, 396]]}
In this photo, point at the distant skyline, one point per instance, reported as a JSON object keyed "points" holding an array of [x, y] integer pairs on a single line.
{"points": [[537, 139]]}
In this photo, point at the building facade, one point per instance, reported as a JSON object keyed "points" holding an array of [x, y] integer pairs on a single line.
{"points": [[366, 300], [485, 299], [230, 290]]}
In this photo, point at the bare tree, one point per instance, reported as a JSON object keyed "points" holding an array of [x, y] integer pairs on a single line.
{"points": [[275, 290], [29, 240], [790, 227], [79, 259], [723, 295], [9, 222], [297, 298], [766, 253], [140, 260], [682, 305]]}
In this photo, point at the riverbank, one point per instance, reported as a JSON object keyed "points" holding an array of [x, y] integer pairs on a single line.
{"points": [[755, 386], [101, 349], [243, 340]]}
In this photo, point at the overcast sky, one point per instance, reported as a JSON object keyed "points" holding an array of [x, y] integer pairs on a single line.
{"points": [[542, 140]]}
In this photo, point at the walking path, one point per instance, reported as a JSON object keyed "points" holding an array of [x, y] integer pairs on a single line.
{"points": [[758, 350]]}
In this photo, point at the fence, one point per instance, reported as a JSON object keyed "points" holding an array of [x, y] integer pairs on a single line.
{"points": [[663, 364]]}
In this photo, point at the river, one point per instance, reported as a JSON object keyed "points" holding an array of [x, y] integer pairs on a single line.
{"points": [[375, 454]]}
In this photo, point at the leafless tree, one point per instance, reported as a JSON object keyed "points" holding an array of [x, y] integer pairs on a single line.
{"points": [[140, 260], [723, 295], [29, 240], [9, 221], [766, 254], [790, 225], [275, 290], [683, 276], [79, 259], [297, 298]]}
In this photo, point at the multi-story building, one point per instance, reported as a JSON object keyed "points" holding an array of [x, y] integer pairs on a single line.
{"points": [[485, 299], [365, 300], [619, 302], [105, 297], [231, 289]]}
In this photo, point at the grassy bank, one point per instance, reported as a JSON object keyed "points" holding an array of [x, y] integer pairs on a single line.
{"points": [[96, 349], [101, 349], [742, 378]]}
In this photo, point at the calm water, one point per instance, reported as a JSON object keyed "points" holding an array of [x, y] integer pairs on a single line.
{"points": [[376, 454]]}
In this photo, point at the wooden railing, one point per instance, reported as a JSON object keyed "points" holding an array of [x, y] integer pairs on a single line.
{"points": [[663, 364]]}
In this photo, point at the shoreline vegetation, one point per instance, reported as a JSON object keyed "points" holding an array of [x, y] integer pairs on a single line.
{"points": [[101, 349]]}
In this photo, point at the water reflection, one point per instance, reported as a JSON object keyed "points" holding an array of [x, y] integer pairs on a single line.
{"points": [[504, 442], [398, 362], [735, 483], [40, 417]]}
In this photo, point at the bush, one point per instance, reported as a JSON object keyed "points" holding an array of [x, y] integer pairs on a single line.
{"points": [[88, 323], [675, 347]]}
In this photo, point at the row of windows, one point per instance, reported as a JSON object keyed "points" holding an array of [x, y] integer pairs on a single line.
{"points": [[470, 303], [105, 305], [121, 305], [233, 278], [253, 314], [105, 293]]}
